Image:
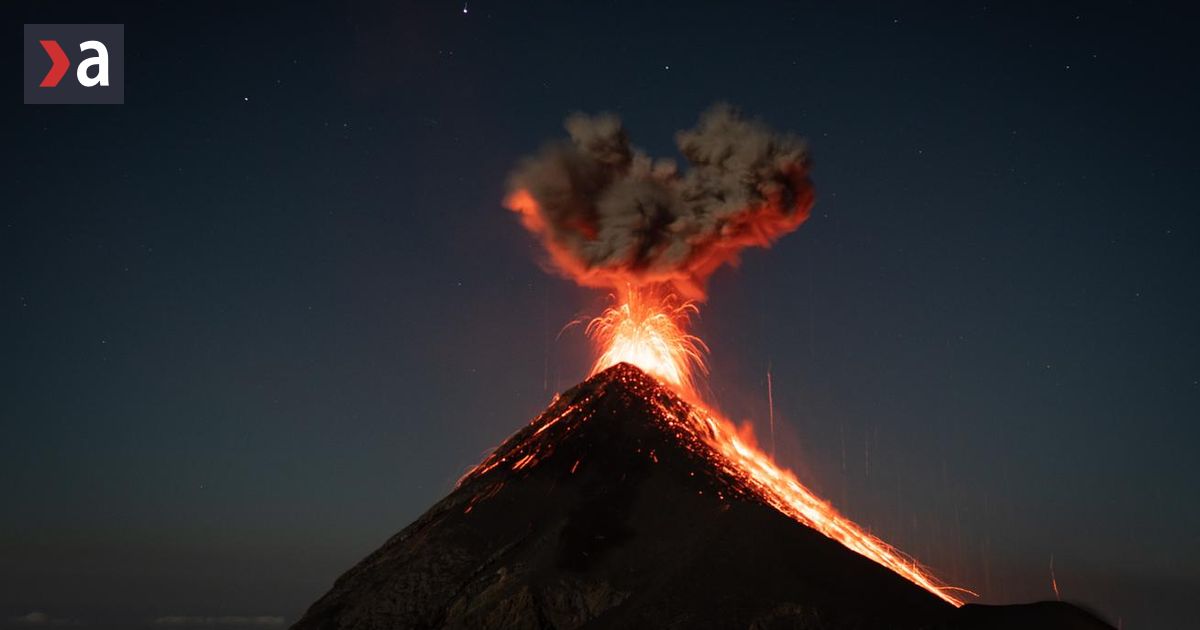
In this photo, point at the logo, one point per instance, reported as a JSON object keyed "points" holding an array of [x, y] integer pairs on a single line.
{"points": [[74, 64]]}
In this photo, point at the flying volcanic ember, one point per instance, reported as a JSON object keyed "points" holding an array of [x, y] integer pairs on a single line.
{"points": [[612, 217]]}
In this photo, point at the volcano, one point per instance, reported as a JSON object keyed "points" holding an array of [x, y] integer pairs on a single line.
{"points": [[611, 510]]}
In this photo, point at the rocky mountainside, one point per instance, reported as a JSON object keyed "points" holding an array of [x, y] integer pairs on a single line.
{"points": [[610, 511]]}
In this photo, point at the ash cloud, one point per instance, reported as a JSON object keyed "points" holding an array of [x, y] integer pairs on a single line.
{"points": [[610, 216]]}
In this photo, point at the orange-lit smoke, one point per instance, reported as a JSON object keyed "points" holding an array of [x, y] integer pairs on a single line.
{"points": [[610, 216]]}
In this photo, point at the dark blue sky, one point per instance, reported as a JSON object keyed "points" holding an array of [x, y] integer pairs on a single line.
{"points": [[258, 318]]}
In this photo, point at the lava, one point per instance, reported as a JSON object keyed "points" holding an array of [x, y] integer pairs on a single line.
{"points": [[646, 329]]}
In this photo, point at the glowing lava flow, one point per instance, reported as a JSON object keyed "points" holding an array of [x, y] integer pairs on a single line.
{"points": [[646, 330]]}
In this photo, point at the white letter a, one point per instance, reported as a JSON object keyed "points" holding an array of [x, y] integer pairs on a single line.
{"points": [[100, 60]]}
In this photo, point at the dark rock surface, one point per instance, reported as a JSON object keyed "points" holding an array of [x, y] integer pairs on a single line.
{"points": [[606, 513]]}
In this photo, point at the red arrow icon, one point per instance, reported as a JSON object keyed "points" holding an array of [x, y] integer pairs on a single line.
{"points": [[61, 63]]}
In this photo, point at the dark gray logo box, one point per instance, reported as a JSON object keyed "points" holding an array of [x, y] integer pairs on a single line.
{"points": [[69, 37]]}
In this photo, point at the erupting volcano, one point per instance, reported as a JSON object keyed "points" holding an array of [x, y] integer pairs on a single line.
{"points": [[609, 215], [630, 502]]}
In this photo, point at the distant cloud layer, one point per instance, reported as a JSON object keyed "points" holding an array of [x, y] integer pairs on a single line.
{"points": [[181, 620], [38, 618], [41, 619]]}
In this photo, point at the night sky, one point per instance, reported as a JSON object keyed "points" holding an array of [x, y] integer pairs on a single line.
{"points": [[260, 317]]}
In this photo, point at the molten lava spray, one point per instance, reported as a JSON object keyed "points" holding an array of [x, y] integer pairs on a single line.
{"points": [[609, 216], [647, 331]]}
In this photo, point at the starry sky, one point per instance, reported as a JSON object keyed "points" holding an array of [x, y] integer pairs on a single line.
{"points": [[260, 317]]}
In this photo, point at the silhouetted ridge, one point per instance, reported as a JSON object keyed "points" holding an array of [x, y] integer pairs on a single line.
{"points": [[609, 510]]}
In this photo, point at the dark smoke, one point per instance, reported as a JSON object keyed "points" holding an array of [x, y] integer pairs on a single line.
{"points": [[610, 215]]}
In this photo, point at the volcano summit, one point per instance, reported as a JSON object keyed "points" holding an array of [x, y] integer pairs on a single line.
{"points": [[612, 510]]}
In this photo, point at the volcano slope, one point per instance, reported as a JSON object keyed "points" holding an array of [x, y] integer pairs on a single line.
{"points": [[610, 510]]}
